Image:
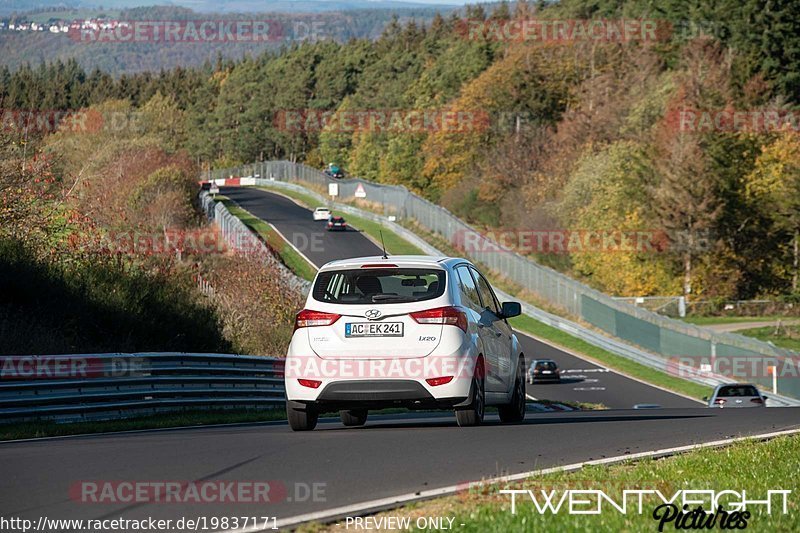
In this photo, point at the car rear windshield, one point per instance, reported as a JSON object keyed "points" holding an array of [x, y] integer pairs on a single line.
{"points": [[545, 365], [738, 390], [379, 285]]}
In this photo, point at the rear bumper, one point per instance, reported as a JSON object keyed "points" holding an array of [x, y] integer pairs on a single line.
{"points": [[546, 377], [390, 381], [380, 394]]}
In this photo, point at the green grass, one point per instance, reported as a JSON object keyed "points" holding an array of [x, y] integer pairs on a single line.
{"points": [[395, 244], [706, 320], [290, 257], [27, 430], [608, 359], [786, 337], [740, 467]]}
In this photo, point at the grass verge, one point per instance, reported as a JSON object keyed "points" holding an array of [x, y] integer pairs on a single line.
{"points": [[290, 257], [29, 430], [785, 336], [739, 467], [616, 362]]}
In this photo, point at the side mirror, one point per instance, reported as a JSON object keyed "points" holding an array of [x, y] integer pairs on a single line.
{"points": [[510, 309]]}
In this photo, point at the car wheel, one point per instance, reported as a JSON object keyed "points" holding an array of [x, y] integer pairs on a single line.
{"points": [[302, 417], [515, 411], [473, 415], [353, 417]]}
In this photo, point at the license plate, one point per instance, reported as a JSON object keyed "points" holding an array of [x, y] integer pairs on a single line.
{"points": [[373, 329]]}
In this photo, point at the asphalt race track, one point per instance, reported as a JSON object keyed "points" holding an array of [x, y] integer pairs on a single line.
{"points": [[394, 455], [297, 225], [583, 381]]}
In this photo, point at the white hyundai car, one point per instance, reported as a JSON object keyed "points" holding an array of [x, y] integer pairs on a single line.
{"points": [[321, 213], [417, 332]]}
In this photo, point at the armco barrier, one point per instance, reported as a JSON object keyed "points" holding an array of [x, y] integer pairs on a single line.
{"points": [[106, 386], [660, 336], [239, 237]]}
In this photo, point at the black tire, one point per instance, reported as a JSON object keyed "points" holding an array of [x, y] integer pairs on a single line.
{"points": [[473, 415], [353, 417], [515, 411], [302, 417]]}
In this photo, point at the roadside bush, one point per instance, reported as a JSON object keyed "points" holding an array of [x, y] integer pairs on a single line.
{"points": [[108, 304]]}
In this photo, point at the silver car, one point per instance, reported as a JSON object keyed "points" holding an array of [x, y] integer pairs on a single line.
{"points": [[736, 395]]}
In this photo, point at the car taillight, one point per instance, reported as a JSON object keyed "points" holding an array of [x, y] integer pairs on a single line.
{"points": [[435, 382], [719, 401], [756, 400], [450, 316], [308, 318], [311, 383]]}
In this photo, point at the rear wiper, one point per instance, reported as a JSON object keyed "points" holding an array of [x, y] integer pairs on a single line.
{"points": [[391, 297]]}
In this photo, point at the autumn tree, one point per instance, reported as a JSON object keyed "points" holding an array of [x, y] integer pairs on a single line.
{"points": [[774, 187]]}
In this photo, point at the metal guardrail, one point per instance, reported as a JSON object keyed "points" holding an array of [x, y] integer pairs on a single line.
{"points": [[104, 386]]}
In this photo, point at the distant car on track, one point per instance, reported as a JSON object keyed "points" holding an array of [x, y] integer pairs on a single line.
{"points": [[543, 370], [736, 395], [418, 332], [337, 224], [333, 171], [322, 213]]}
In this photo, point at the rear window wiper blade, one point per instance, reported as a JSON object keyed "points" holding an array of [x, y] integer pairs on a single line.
{"points": [[391, 297]]}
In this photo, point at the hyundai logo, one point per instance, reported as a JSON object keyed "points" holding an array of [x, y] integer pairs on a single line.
{"points": [[372, 314]]}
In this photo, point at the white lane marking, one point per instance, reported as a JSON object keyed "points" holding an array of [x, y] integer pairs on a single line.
{"points": [[290, 243], [360, 509], [591, 380], [586, 370], [588, 388], [531, 398], [589, 359]]}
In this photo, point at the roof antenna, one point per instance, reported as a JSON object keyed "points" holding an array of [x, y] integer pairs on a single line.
{"points": [[385, 256]]}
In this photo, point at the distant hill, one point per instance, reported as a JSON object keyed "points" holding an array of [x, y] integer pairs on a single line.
{"points": [[35, 47], [222, 6]]}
